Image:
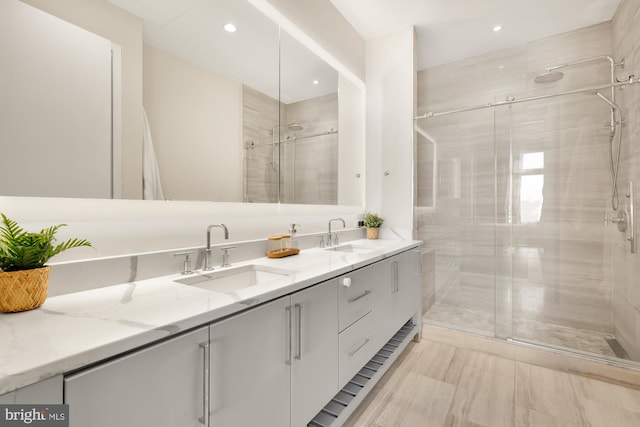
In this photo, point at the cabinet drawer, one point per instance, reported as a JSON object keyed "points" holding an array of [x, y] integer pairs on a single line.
{"points": [[355, 296], [356, 348]]}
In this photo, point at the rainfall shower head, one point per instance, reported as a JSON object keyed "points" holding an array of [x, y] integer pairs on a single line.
{"points": [[295, 126], [549, 77]]}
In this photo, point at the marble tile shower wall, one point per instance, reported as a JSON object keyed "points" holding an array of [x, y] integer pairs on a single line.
{"points": [[310, 175], [487, 229], [309, 166], [626, 271], [259, 131]]}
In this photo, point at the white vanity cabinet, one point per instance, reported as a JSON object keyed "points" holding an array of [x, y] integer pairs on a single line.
{"points": [[273, 365], [249, 375], [47, 391], [397, 295], [356, 294], [407, 278], [161, 386], [357, 335], [314, 378], [277, 364]]}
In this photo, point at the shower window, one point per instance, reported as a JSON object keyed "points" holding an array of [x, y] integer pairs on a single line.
{"points": [[530, 180]]}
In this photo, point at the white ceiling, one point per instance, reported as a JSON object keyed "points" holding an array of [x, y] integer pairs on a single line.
{"points": [[193, 31], [450, 30]]}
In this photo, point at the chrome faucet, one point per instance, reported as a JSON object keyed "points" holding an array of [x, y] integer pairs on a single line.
{"points": [[331, 238], [207, 251]]}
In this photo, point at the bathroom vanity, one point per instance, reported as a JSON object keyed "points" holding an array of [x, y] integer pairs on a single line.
{"points": [[264, 342]]}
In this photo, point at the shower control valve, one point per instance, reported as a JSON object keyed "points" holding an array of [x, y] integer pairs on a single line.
{"points": [[620, 219]]}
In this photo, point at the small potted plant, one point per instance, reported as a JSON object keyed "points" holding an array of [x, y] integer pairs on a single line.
{"points": [[372, 222], [23, 276]]}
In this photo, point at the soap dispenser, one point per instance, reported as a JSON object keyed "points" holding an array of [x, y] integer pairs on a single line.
{"points": [[294, 238]]}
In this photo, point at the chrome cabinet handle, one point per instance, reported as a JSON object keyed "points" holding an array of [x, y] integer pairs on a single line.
{"points": [[206, 385], [395, 276], [288, 335], [359, 297], [632, 222], [298, 309], [346, 282], [352, 353]]}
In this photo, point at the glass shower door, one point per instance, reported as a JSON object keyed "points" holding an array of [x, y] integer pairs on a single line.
{"points": [[456, 219], [560, 191]]}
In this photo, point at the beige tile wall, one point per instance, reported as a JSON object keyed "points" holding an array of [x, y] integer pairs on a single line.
{"points": [[560, 267], [626, 266], [259, 121], [310, 175], [308, 165]]}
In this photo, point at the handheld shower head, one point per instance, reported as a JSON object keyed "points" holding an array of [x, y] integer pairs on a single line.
{"points": [[613, 105], [548, 77], [614, 109]]}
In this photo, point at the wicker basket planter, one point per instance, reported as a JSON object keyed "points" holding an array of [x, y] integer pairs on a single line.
{"points": [[372, 233], [23, 290]]}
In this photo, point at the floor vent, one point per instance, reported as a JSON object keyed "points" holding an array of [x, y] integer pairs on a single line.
{"points": [[336, 412]]}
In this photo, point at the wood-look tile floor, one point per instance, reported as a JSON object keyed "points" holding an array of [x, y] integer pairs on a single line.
{"points": [[435, 384]]}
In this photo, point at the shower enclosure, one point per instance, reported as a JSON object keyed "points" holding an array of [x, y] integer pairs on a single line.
{"points": [[292, 162], [518, 202]]}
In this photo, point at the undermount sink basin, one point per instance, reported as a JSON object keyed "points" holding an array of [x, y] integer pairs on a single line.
{"points": [[352, 249], [236, 278]]}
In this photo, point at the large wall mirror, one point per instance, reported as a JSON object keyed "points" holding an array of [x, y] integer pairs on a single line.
{"points": [[173, 99]]}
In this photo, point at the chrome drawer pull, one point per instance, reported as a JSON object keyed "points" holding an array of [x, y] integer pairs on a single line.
{"points": [[366, 341], [395, 276], [298, 309], [206, 348], [287, 311], [359, 297]]}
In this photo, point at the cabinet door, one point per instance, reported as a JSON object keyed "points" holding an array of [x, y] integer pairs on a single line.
{"points": [[162, 385], [408, 295], [383, 317], [397, 294], [251, 367], [314, 379], [47, 391]]}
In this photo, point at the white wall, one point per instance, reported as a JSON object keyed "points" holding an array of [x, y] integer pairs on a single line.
{"points": [[391, 90], [103, 18], [123, 227], [41, 83], [351, 152], [196, 125], [322, 22]]}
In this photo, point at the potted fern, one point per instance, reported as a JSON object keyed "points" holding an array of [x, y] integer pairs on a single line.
{"points": [[372, 222], [23, 276]]}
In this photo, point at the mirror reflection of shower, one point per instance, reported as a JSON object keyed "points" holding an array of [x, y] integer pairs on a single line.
{"points": [[552, 75], [290, 150]]}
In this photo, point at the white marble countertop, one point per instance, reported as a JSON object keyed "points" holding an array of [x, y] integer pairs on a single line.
{"points": [[75, 330]]}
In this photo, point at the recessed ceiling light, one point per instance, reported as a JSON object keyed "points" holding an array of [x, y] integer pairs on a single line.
{"points": [[230, 28], [497, 28], [500, 67], [315, 82]]}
